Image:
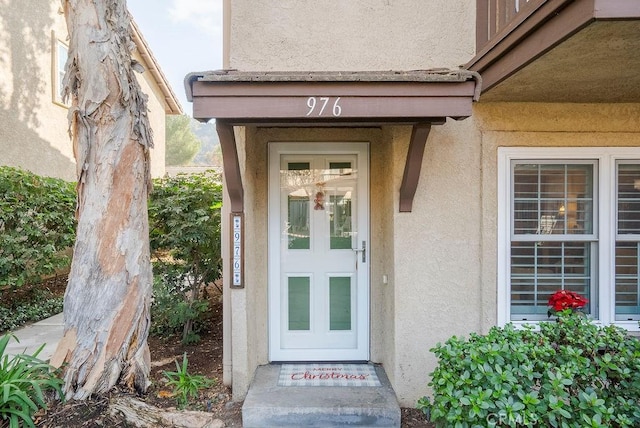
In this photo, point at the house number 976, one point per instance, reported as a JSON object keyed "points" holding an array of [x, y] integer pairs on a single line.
{"points": [[318, 105]]}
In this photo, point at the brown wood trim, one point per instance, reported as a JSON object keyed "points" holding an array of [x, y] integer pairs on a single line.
{"points": [[231, 165], [517, 52], [523, 24], [350, 107], [617, 9], [413, 165], [333, 123], [493, 13], [337, 89], [482, 23]]}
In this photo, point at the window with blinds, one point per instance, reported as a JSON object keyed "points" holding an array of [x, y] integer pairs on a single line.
{"points": [[553, 234], [627, 282]]}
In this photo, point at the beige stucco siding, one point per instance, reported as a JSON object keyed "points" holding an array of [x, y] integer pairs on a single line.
{"points": [[538, 125], [436, 249], [445, 251], [33, 134], [34, 131], [350, 35], [157, 118], [440, 259]]}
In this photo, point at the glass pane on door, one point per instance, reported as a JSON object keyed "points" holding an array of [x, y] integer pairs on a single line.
{"points": [[340, 303], [299, 293], [294, 181], [341, 189]]}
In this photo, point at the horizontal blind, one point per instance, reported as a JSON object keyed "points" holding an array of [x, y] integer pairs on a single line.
{"points": [[552, 240], [627, 242]]}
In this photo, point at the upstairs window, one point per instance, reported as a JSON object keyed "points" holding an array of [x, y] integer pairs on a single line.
{"points": [[60, 54]]}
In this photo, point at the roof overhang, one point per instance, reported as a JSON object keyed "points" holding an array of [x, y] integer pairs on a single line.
{"points": [[172, 105], [345, 99], [562, 51]]}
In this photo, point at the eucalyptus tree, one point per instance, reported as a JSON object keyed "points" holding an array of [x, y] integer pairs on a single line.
{"points": [[107, 302]]}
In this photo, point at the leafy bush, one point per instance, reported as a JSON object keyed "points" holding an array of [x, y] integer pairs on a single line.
{"points": [[184, 218], [186, 385], [171, 310], [24, 380], [571, 373], [43, 305], [36, 225]]}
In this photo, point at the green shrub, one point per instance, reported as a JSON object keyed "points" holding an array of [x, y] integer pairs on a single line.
{"points": [[184, 219], [185, 385], [24, 380], [571, 373], [36, 225], [171, 310], [42, 305]]}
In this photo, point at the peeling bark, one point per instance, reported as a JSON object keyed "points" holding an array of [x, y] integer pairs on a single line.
{"points": [[107, 302]]}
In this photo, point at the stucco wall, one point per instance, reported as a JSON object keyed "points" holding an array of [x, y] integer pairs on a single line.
{"points": [[436, 249], [538, 125], [445, 250], [34, 133], [157, 118], [350, 35], [441, 258]]}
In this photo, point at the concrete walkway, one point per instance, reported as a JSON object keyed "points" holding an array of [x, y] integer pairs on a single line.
{"points": [[31, 337]]}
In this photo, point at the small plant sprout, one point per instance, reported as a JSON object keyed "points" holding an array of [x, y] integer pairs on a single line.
{"points": [[186, 386]]}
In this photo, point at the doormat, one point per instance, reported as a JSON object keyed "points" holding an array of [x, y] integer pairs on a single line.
{"points": [[328, 375]]}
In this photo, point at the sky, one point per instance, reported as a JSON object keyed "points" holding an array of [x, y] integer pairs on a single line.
{"points": [[184, 36]]}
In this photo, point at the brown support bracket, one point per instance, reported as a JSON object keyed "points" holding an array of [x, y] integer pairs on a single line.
{"points": [[413, 165], [231, 165]]}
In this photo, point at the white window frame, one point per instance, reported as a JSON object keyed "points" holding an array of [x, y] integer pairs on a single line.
{"points": [[605, 180], [56, 73]]}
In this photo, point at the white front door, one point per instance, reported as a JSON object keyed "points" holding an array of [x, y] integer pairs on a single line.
{"points": [[318, 252]]}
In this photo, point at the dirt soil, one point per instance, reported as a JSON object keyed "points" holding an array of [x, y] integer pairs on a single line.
{"points": [[204, 357]]}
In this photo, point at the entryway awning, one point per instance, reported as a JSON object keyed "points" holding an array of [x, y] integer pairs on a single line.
{"points": [[420, 98]]}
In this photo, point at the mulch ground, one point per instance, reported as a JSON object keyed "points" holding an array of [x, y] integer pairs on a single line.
{"points": [[204, 357]]}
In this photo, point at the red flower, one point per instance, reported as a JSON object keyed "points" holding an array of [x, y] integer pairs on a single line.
{"points": [[564, 299]]}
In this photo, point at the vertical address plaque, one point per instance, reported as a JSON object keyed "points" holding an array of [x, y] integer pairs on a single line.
{"points": [[237, 250]]}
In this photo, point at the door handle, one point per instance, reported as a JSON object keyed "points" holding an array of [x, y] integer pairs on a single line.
{"points": [[362, 250]]}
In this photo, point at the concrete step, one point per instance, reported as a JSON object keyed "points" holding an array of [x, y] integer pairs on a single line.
{"points": [[270, 405]]}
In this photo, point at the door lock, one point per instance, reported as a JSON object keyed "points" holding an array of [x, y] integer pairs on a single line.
{"points": [[362, 250]]}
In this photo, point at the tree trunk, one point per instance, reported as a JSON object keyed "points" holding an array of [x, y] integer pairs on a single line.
{"points": [[107, 302]]}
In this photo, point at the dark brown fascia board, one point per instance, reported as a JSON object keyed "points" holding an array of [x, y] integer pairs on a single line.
{"points": [[254, 101], [294, 108], [616, 9], [545, 28]]}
